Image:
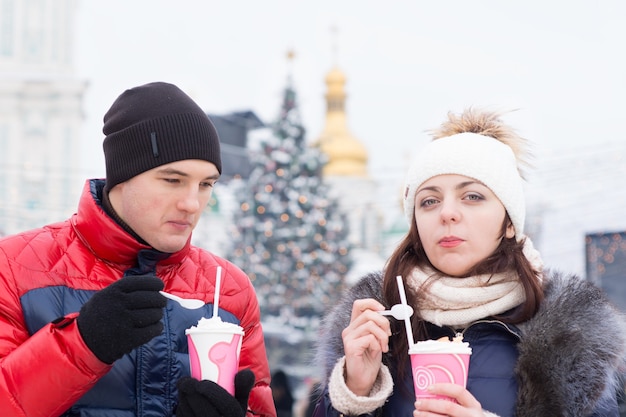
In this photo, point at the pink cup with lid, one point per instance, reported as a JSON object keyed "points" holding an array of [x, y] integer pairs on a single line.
{"points": [[214, 347], [435, 361]]}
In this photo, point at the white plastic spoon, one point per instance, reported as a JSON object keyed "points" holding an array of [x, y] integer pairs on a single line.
{"points": [[398, 311], [190, 303]]}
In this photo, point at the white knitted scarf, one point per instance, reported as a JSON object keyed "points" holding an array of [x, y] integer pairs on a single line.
{"points": [[450, 301]]}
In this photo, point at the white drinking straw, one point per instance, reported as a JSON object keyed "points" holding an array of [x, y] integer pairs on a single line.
{"points": [[407, 317], [216, 297]]}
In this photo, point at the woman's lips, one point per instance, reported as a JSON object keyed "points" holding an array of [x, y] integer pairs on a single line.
{"points": [[450, 242]]}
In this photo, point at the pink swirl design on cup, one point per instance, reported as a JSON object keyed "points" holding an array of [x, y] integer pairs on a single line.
{"points": [[423, 377], [194, 359], [224, 356], [222, 362], [434, 368]]}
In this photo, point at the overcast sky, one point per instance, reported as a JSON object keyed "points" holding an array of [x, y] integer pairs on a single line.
{"points": [[559, 63], [407, 64]]}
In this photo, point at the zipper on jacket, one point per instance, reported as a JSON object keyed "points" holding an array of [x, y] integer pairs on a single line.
{"points": [[461, 332]]}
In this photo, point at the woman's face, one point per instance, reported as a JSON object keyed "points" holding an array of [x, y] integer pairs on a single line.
{"points": [[459, 221]]}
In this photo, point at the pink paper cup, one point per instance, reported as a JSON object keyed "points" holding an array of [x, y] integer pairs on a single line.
{"points": [[214, 355], [432, 368]]}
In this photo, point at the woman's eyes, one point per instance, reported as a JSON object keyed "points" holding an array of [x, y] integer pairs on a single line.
{"points": [[474, 197], [428, 202]]}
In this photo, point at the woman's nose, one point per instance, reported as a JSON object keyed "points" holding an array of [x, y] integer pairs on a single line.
{"points": [[450, 212]]}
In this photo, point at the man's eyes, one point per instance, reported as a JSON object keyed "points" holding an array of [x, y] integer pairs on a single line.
{"points": [[202, 184]]}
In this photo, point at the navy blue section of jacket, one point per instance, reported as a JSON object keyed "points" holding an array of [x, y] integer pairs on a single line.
{"points": [[141, 383]]}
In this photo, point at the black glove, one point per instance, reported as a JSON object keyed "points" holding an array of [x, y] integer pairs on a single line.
{"points": [[122, 316], [207, 399]]}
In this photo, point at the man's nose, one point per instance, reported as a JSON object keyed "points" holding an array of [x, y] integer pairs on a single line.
{"points": [[189, 201]]}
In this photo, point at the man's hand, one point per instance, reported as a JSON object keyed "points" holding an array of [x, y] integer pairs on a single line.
{"points": [[122, 316], [207, 399]]}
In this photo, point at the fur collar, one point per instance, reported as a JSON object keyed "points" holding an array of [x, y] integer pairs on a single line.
{"points": [[565, 366]]}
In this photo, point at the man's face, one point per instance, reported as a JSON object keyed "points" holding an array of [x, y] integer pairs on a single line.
{"points": [[163, 205]]}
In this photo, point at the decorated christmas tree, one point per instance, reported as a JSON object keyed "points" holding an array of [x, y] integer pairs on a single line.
{"points": [[290, 237]]}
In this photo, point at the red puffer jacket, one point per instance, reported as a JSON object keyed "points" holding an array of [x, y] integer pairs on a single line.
{"points": [[46, 275]]}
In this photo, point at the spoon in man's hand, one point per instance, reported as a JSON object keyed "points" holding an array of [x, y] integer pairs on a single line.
{"points": [[190, 303], [398, 311]]}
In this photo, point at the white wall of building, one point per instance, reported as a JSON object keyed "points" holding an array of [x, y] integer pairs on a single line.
{"points": [[41, 114]]}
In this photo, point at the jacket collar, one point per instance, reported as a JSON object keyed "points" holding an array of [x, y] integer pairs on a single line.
{"points": [[106, 238]]}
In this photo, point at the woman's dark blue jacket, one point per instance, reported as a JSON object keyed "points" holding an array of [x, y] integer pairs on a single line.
{"points": [[565, 361]]}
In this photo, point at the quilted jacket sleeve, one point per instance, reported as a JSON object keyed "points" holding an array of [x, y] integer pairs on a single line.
{"points": [[253, 354], [44, 374]]}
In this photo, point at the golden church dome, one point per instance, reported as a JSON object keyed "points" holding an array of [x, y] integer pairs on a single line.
{"points": [[347, 156], [335, 81]]}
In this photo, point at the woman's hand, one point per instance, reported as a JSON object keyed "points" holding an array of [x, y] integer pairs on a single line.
{"points": [[466, 405], [364, 341]]}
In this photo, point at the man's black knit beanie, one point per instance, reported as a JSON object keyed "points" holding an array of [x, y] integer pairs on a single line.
{"points": [[152, 125]]}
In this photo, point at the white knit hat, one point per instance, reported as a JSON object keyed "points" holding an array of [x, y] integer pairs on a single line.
{"points": [[483, 158]]}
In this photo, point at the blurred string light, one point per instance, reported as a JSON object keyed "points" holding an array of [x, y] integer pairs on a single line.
{"points": [[604, 249]]}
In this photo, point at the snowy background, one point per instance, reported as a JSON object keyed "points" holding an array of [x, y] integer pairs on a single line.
{"points": [[557, 64]]}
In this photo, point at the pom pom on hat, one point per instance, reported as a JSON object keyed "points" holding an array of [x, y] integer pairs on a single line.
{"points": [[477, 145], [152, 125]]}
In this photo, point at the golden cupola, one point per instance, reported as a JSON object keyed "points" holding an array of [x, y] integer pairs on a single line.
{"points": [[346, 155]]}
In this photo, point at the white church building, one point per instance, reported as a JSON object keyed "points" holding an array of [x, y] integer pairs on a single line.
{"points": [[41, 114]]}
